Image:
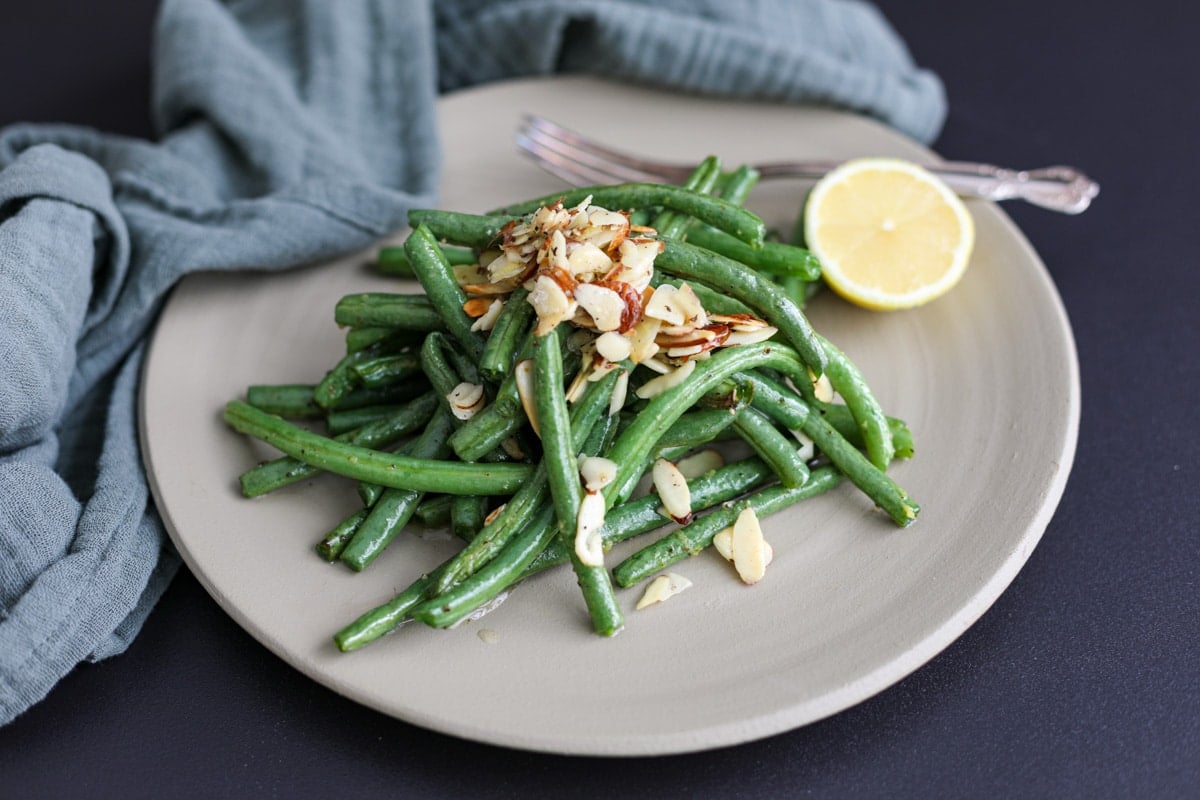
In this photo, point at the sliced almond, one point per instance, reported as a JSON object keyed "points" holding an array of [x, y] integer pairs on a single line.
{"points": [[588, 544], [807, 448], [524, 375], [689, 304], [604, 305], [656, 386], [673, 490], [597, 472], [487, 320], [749, 549], [822, 388], [723, 544], [472, 273], [755, 336], [620, 392], [550, 303], [613, 346], [466, 400], [664, 305], [662, 588], [586, 261], [700, 463], [641, 339]]}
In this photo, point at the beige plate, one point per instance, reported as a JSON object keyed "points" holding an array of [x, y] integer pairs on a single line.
{"points": [[986, 376]]}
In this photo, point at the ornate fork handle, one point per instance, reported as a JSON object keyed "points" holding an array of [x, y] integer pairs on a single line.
{"points": [[1058, 188]]}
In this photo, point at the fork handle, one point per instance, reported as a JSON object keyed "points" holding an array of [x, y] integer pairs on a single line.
{"points": [[1058, 188]]}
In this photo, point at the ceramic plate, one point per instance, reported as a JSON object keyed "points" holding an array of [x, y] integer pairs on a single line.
{"points": [[986, 377]]}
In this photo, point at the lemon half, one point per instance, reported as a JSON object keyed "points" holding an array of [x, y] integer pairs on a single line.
{"points": [[889, 234]]}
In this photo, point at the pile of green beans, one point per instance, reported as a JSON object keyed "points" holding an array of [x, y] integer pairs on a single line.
{"points": [[512, 490]]}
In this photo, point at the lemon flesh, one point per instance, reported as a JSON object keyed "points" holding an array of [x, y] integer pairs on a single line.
{"points": [[889, 234]]}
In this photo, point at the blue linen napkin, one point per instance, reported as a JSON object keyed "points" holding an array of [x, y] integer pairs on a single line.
{"points": [[290, 132]]}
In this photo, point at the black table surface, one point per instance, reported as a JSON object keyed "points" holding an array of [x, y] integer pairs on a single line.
{"points": [[1083, 680]]}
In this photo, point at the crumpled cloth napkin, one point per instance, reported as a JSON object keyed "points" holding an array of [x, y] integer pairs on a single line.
{"points": [[290, 132]]}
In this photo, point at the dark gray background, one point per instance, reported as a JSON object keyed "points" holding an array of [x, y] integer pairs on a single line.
{"points": [[1081, 681]]}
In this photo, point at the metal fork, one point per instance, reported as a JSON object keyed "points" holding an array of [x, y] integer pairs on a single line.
{"points": [[582, 161]]}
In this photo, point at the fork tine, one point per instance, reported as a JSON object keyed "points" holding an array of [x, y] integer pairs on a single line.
{"points": [[568, 169], [535, 141], [580, 148], [603, 154]]}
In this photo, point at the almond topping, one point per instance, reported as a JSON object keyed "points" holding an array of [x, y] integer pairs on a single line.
{"points": [[613, 346], [662, 588], [656, 386], [700, 463], [605, 306], [524, 376], [588, 544], [466, 400], [673, 490], [749, 548], [487, 320], [664, 305], [597, 472]]}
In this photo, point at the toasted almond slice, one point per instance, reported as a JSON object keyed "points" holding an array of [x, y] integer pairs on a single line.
{"points": [[823, 388], [488, 320], [550, 303], [597, 472], [476, 306], [600, 369], [700, 463], [656, 386], [604, 305], [586, 261], [613, 346], [588, 545], [658, 364], [524, 376], [673, 490], [579, 383], [689, 304], [512, 446], [663, 587], [749, 548], [723, 544], [685, 352], [620, 392], [807, 448], [466, 400], [641, 339], [737, 337], [664, 305], [471, 273]]}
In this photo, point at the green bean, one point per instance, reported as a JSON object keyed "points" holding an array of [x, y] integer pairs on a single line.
{"points": [[634, 444], [395, 507], [407, 312], [842, 420], [772, 447], [696, 428], [714, 211], [524, 504], [435, 362], [776, 258], [434, 511], [852, 386], [562, 472], [470, 230], [644, 514], [781, 404], [697, 535], [362, 464], [362, 397], [443, 291], [385, 618], [294, 401], [500, 350], [703, 178], [286, 470], [341, 380], [466, 515], [339, 422], [388, 370], [725, 275], [394, 261], [452, 606], [735, 186], [330, 547], [358, 338]]}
